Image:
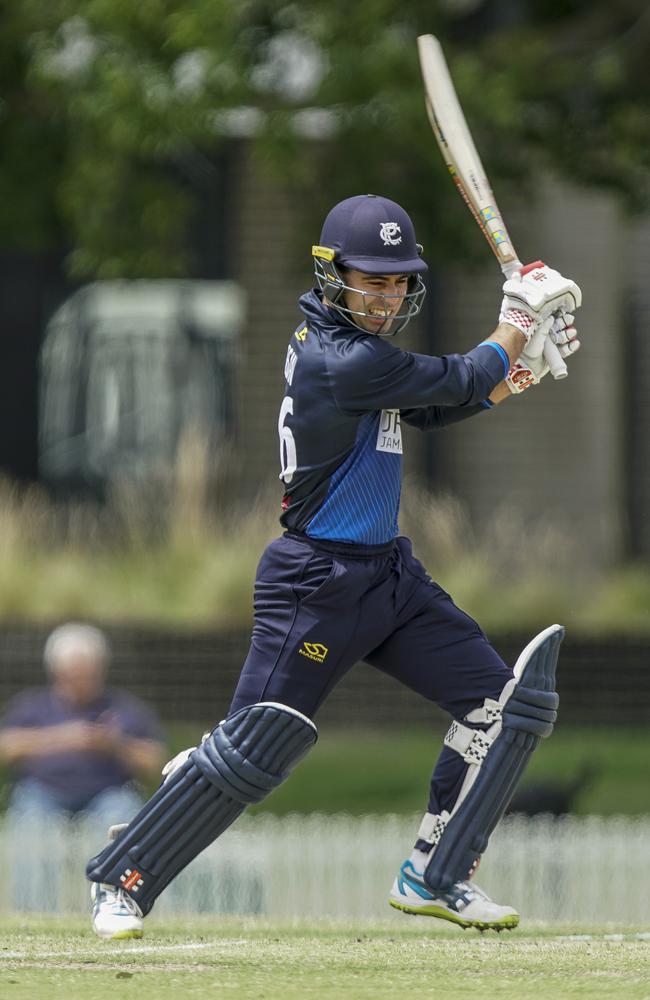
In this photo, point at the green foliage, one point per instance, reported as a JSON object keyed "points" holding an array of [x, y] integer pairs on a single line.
{"points": [[103, 99], [174, 561], [180, 554]]}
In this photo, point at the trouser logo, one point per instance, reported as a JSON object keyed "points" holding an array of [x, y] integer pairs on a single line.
{"points": [[314, 651]]}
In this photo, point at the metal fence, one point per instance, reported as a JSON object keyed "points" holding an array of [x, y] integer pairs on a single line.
{"points": [[191, 676], [340, 867]]}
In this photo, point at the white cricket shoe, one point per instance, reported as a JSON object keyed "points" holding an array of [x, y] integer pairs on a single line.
{"points": [[115, 914], [464, 903]]}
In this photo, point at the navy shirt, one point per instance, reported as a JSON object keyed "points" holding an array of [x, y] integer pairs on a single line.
{"points": [[346, 393], [75, 777]]}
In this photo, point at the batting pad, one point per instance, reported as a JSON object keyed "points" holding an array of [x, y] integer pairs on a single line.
{"points": [[527, 715], [241, 761]]}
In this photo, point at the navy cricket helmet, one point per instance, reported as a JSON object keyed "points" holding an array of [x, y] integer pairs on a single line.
{"points": [[375, 235]]}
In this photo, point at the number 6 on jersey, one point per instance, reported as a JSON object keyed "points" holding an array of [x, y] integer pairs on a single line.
{"points": [[288, 455]]}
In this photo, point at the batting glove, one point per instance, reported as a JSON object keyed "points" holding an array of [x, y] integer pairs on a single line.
{"points": [[535, 293], [531, 366]]}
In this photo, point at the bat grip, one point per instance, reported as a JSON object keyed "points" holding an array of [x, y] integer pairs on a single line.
{"points": [[554, 360]]}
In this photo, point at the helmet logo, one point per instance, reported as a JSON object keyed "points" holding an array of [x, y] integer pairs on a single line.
{"points": [[388, 231]]}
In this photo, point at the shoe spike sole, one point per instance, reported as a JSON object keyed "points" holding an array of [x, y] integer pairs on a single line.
{"points": [[507, 924]]}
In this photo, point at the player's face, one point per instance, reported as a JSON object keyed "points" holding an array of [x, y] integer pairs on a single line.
{"points": [[375, 298]]}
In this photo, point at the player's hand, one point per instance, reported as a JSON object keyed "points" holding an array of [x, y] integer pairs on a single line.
{"points": [[535, 293], [531, 365]]}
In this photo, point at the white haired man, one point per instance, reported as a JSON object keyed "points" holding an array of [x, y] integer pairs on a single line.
{"points": [[75, 749]]}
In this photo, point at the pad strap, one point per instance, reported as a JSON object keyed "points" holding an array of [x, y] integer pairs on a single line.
{"points": [[529, 705], [432, 827], [471, 744], [489, 712]]}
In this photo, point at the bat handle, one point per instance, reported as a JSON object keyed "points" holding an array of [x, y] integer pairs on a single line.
{"points": [[554, 360], [511, 268]]}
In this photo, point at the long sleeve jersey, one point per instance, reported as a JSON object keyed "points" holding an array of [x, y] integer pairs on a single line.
{"points": [[346, 393]]}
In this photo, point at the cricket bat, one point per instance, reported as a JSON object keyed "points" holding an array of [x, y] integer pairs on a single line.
{"points": [[464, 164]]}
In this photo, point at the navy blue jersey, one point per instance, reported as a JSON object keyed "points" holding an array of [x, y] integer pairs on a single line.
{"points": [[346, 393]]}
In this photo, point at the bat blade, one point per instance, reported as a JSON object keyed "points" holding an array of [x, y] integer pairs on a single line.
{"points": [[459, 152], [464, 164]]}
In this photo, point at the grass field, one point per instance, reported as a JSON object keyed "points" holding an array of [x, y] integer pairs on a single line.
{"points": [[47, 960]]}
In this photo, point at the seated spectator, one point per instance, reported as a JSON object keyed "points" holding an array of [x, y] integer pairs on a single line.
{"points": [[76, 749]]}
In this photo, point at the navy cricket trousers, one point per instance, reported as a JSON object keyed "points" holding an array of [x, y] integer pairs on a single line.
{"points": [[321, 607]]}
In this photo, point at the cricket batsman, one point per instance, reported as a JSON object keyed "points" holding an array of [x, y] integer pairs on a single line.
{"points": [[341, 585]]}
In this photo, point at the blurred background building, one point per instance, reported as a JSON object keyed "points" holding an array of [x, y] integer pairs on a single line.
{"points": [[127, 369]]}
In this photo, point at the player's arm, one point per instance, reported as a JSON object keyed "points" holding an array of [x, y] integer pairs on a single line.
{"points": [[432, 418], [511, 341], [513, 334], [529, 369], [375, 375], [510, 338], [372, 374]]}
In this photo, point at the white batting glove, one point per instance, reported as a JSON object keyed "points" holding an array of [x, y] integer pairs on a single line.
{"points": [[535, 293], [531, 366]]}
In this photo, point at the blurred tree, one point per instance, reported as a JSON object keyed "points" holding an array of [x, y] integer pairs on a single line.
{"points": [[107, 106]]}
